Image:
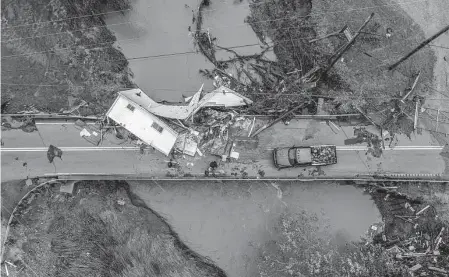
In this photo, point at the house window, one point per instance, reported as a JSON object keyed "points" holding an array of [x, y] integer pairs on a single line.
{"points": [[157, 127], [130, 107]]}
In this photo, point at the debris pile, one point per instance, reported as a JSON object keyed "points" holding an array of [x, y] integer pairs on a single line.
{"points": [[26, 124], [90, 132], [362, 135], [412, 234], [324, 154], [213, 132]]}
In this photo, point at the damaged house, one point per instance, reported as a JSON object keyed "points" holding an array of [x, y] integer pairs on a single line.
{"points": [[130, 111], [148, 119]]}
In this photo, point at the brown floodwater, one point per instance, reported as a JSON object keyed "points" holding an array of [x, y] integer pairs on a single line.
{"points": [[229, 221], [160, 27]]}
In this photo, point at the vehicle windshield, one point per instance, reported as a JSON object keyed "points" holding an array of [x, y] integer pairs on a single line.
{"points": [[292, 156]]}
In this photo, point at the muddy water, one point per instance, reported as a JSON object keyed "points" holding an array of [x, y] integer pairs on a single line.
{"points": [[159, 27], [228, 222]]}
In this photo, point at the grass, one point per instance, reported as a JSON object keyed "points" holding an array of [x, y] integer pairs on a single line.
{"points": [[90, 234], [44, 63]]}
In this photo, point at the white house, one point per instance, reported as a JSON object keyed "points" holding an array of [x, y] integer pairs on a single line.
{"points": [[130, 111]]}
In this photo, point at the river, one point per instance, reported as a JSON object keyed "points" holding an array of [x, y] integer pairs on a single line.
{"points": [[229, 221], [161, 27]]}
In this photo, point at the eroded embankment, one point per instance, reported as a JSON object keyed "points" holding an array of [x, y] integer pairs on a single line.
{"points": [[102, 230]]}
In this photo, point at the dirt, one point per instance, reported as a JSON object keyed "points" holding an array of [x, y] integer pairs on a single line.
{"points": [[102, 230], [46, 66]]}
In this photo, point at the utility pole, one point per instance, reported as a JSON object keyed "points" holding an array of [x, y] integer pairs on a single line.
{"points": [[421, 45]]}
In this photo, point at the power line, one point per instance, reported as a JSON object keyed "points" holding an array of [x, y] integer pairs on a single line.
{"points": [[66, 32], [207, 29], [70, 47], [183, 33], [169, 54], [64, 19], [260, 21], [138, 37], [116, 11]]}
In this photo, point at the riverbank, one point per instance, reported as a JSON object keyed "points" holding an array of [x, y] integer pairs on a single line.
{"points": [[233, 222], [246, 229], [107, 231], [57, 55]]}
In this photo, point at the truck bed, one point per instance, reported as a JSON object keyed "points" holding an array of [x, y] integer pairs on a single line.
{"points": [[324, 154]]}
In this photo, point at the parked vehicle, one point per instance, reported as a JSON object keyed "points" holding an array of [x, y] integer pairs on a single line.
{"points": [[305, 156]]}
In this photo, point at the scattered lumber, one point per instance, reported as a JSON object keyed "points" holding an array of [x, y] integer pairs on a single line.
{"points": [[329, 35], [422, 210], [268, 125], [437, 269]]}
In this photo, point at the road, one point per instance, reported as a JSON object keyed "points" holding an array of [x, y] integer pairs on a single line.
{"points": [[24, 154]]}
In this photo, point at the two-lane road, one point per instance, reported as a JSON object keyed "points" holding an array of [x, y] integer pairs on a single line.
{"points": [[24, 155]]}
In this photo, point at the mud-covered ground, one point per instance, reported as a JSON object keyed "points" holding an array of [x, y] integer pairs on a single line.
{"points": [[56, 54]]}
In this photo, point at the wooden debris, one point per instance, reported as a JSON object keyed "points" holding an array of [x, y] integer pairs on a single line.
{"points": [[408, 206], [415, 267], [11, 264], [437, 269], [439, 235], [330, 35], [276, 120], [252, 126], [348, 34], [412, 88], [404, 218], [411, 255], [422, 210]]}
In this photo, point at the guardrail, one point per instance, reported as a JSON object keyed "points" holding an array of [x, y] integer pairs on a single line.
{"points": [[390, 177], [61, 116], [53, 116]]}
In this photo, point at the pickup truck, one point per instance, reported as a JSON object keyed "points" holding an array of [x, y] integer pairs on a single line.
{"points": [[305, 156]]}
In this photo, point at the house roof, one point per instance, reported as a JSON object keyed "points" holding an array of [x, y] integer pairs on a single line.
{"points": [[221, 97], [140, 123], [222, 89], [162, 110]]}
